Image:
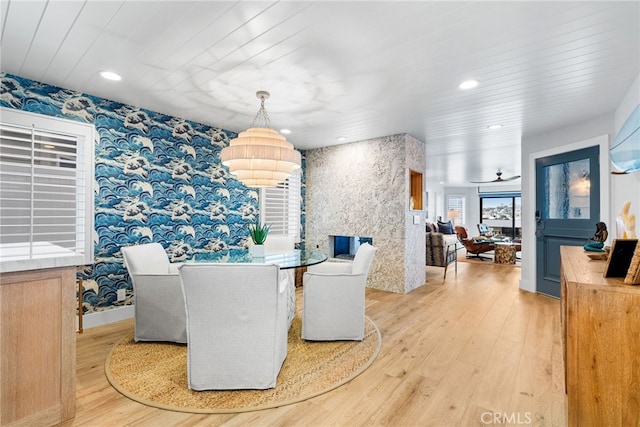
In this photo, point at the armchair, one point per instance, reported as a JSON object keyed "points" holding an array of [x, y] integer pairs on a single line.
{"points": [[158, 301], [333, 298], [441, 251], [236, 325], [474, 247], [484, 230]]}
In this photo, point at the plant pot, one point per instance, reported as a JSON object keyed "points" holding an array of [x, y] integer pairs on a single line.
{"points": [[257, 251]]}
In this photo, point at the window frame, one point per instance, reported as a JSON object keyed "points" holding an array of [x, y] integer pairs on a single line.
{"points": [[459, 207], [516, 223], [38, 252], [276, 201]]}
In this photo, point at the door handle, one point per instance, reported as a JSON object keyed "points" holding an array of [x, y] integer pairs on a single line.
{"points": [[539, 225]]}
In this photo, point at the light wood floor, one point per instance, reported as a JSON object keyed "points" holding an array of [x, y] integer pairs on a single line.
{"points": [[457, 353]]}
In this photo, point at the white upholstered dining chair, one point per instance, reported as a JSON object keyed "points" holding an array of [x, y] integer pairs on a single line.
{"points": [[333, 298], [158, 301], [236, 325], [279, 244]]}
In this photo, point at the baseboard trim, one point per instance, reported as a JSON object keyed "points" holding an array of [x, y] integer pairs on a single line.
{"points": [[101, 318], [527, 285]]}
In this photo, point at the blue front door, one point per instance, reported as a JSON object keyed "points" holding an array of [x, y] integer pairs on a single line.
{"points": [[567, 210]]}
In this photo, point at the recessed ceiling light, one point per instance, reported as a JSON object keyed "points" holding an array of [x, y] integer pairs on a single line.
{"points": [[285, 131], [341, 138], [468, 84], [49, 146], [496, 126], [110, 75]]}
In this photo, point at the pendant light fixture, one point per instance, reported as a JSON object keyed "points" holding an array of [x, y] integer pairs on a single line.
{"points": [[260, 156]]}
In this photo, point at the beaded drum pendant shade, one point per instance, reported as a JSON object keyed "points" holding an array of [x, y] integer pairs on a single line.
{"points": [[260, 156]]}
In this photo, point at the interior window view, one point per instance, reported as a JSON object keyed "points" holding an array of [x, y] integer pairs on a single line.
{"points": [[327, 213], [502, 214]]}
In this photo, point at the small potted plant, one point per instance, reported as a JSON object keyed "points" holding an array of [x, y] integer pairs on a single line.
{"points": [[258, 235]]}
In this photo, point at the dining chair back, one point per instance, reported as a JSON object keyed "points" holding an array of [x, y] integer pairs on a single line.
{"points": [[236, 325], [159, 312], [279, 244], [334, 296]]}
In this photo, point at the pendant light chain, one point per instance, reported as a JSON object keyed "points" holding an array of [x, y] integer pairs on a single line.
{"points": [[262, 118]]}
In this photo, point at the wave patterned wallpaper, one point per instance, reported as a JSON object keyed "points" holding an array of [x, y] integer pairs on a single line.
{"points": [[157, 179]]}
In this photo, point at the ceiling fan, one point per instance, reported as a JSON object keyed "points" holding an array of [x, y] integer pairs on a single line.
{"points": [[498, 179]]}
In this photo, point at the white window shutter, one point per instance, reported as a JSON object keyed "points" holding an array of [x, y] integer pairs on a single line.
{"points": [[45, 186], [280, 207], [456, 203]]}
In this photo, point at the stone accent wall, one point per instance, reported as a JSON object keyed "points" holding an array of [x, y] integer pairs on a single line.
{"points": [[415, 241], [362, 189]]}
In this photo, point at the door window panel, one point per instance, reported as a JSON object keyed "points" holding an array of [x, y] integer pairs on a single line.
{"points": [[567, 190]]}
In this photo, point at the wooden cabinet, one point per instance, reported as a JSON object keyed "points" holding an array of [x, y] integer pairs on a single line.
{"points": [[38, 347], [601, 341]]}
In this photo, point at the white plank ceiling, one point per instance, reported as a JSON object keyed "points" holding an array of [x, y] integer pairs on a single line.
{"points": [[344, 69]]}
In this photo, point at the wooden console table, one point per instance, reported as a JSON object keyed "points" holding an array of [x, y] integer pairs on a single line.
{"points": [[38, 347], [600, 321]]}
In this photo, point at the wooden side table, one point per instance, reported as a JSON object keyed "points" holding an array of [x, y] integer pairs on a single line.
{"points": [[505, 253]]}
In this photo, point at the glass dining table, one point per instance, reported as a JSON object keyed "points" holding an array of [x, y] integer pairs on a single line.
{"points": [[287, 261]]}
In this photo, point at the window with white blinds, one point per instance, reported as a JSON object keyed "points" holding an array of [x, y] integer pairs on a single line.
{"points": [[456, 204], [280, 207], [46, 202]]}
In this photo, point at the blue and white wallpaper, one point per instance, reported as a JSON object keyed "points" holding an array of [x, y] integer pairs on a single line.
{"points": [[157, 179]]}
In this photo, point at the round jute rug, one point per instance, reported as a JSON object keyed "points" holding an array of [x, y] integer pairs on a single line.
{"points": [[155, 374]]}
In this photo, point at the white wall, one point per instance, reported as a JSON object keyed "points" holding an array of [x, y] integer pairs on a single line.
{"points": [[592, 132], [435, 206], [615, 190], [626, 187]]}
